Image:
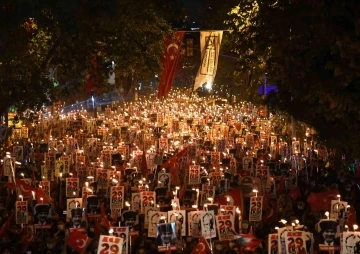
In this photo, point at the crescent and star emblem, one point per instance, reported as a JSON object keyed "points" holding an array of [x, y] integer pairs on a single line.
{"points": [[202, 247], [83, 243], [23, 189], [172, 45]]}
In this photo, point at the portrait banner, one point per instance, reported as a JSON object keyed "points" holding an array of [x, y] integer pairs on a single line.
{"points": [[155, 217], [329, 232], [179, 218], [350, 242], [72, 203], [136, 201], [256, 204], [166, 239], [194, 224], [86, 191], [208, 227], [148, 209], [338, 210], [110, 244], [225, 227], [21, 212]]}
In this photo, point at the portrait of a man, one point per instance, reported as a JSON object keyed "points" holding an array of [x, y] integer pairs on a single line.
{"points": [[76, 217], [207, 224], [42, 214], [328, 233], [130, 219], [166, 236], [93, 205]]}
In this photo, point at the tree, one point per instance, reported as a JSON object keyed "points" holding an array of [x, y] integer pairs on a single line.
{"points": [[37, 37], [310, 49]]}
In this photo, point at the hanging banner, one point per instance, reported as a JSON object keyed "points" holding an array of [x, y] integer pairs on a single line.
{"points": [[256, 204], [110, 244], [210, 47], [170, 61], [21, 212]]}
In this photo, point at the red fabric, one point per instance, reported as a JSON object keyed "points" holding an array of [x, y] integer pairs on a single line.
{"points": [[94, 76], [27, 236], [236, 198], [41, 194], [24, 188], [248, 241], [294, 193], [202, 247], [173, 164], [78, 241], [5, 226], [271, 213], [182, 192], [144, 169], [322, 201], [171, 58], [102, 210]]}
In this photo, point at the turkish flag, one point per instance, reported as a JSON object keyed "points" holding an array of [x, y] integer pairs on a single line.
{"points": [[202, 247], [248, 241], [235, 198], [27, 235], [5, 225], [24, 188], [144, 169], [170, 61], [322, 201], [173, 164], [41, 196], [78, 241]]}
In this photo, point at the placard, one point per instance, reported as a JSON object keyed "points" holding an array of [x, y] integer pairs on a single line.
{"points": [[166, 238], [147, 199], [155, 218], [122, 232], [194, 174], [273, 244], [72, 187], [110, 244], [179, 218], [208, 227], [208, 191], [256, 204], [45, 185], [116, 197], [21, 212], [225, 227]]}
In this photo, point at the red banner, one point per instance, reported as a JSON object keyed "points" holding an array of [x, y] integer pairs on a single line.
{"points": [[170, 61]]}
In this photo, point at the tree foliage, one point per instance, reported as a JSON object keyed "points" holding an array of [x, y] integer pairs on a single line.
{"points": [[37, 37], [310, 49]]}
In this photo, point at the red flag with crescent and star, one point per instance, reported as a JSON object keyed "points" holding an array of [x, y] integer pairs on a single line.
{"points": [[24, 188], [322, 201], [202, 247], [170, 61], [78, 241]]}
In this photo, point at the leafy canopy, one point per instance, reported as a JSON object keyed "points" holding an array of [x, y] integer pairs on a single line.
{"points": [[311, 50], [39, 37]]}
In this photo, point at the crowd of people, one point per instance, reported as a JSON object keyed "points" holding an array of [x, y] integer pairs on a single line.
{"points": [[181, 175]]}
